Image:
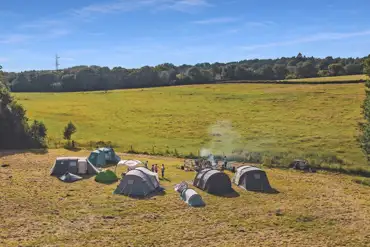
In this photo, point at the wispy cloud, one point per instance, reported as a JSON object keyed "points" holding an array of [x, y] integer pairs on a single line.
{"points": [[218, 20], [13, 38], [131, 5], [7, 13], [42, 24], [185, 5], [69, 59], [309, 39], [259, 23]]}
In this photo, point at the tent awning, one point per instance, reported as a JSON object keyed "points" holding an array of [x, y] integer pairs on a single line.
{"points": [[130, 163]]}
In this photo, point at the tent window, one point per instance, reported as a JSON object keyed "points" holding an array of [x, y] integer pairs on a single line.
{"points": [[130, 182], [107, 155], [73, 163], [257, 176]]}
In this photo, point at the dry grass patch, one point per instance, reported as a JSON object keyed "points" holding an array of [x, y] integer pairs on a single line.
{"points": [[310, 210]]}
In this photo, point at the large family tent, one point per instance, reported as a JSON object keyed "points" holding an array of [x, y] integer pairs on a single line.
{"points": [[252, 178], [138, 182], [73, 165], [213, 181], [69, 177], [106, 177], [103, 156]]}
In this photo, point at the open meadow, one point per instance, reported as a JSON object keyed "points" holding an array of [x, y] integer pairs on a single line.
{"points": [[299, 119], [311, 209], [332, 79]]}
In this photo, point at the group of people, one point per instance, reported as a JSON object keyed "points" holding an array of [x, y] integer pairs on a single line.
{"points": [[155, 168]]}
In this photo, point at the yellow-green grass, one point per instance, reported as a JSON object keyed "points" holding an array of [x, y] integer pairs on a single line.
{"points": [[346, 78], [318, 119], [311, 210]]}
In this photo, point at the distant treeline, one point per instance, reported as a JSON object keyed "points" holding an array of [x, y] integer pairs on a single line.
{"points": [[90, 78]]}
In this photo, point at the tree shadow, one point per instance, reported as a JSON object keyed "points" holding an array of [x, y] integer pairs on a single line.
{"points": [[5, 152], [73, 149]]}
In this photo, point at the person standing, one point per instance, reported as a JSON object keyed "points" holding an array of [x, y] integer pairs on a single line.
{"points": [[152, 168], [146, 164], [162, 170], [156, 168]]}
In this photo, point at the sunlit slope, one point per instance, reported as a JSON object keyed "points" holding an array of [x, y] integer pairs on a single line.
{"points": [[311, 118]]}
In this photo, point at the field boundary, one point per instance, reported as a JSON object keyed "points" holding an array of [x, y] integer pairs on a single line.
{"points": [[272, 82], [264, 160]]}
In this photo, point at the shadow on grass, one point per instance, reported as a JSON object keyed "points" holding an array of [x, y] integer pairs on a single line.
{"points": [[73, 149], [270, 191], [5, 152], [161, 192], [232, 194], [165, 179]]}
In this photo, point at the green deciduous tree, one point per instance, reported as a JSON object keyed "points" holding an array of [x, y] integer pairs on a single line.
{"points": [[336, 69], [365, 127], [69, 130], [15, 133]]}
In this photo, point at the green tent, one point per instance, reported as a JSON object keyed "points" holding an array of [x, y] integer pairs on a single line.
{"points": [[102, 156], [106, 177]]}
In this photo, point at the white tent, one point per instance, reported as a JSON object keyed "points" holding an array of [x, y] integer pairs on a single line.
{"points": [[130, 163]]}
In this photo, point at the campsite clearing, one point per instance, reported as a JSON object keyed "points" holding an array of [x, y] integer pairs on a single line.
{"points": [[37, 209]]}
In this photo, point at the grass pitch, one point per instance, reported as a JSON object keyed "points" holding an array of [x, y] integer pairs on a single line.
{"points": [[321, 209]]}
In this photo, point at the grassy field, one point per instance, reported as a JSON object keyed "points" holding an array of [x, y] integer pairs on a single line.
{"points": [[311, 210], [346, 78], [315, 119]]}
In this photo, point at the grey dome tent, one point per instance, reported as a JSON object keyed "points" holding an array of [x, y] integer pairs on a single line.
{"points": [[251, 178], [73, 165], [139, 182], [69, 178], [213, 181], [190, 196]]}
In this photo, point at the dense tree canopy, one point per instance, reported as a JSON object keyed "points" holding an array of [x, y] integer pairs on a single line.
{"points": [[15, 132], [365, 127], [88, 78]]}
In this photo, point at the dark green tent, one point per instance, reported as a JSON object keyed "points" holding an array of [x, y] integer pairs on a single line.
{"points": [[103, 156], [106, 177]]}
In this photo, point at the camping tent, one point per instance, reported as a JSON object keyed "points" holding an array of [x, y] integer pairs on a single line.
{"points": [[73, 165], [139, 182], [251, 178], [69, 177], [131, 164], [106, 177], [192, 198], [213, 181], [102, 156]]}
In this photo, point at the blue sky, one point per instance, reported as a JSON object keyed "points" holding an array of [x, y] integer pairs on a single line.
{"points": [[134, 33]]}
